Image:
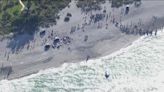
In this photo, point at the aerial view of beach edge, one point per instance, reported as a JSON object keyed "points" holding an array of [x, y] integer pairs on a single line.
{"points": [[78, 35]]}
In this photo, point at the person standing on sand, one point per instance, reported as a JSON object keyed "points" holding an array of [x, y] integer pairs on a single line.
{"points": [[147, 32], [87, 58], [155, 32], [151, 32], [5, 54], [106, 25], [28, 46], [8, 56]]}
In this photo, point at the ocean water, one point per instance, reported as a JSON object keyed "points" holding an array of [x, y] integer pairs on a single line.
{"points": [[137, 68]]}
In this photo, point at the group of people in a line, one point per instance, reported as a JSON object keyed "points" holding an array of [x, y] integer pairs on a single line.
{"points": [[137, 30]]}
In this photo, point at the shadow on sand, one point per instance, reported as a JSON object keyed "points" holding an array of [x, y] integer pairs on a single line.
{"points": [[24, 33], [18, 42]]}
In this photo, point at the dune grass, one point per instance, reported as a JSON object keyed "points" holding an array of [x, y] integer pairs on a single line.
{"points": [[37, 12]]}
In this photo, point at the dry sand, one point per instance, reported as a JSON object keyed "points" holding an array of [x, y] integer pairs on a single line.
{"points": [[101, 41]]}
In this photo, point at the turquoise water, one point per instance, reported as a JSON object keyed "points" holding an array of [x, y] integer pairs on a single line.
{"points": [[137, 68]]}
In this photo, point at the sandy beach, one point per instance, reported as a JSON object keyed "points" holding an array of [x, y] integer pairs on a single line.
{"points": [[24, 54]]}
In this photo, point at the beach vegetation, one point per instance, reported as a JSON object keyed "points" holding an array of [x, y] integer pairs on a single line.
{"points": [[37, 13]]}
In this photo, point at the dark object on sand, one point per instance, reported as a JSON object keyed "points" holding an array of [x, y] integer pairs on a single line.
{"points": [[155, 32], [73, 29], [106, 75], [98, 17], [42, 33], [56, 41], [150, 32], [58, 17], [88, 57], [140, 31], [66, 19], [86, 38], [127, 9], [47, 47], [6, 71], [116, 24], [104, 11], [66, 40], [69, 15], [147, 32]]}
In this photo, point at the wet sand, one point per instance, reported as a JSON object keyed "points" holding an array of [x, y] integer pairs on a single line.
{"points": [[88, 40]]}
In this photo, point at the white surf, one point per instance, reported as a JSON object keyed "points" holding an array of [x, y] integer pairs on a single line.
{"points": [[137, 68]]}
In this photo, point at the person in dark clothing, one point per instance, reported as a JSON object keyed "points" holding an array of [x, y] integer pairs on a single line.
{"points": [[155, 32], [87, 58], [47, 47], [147, 32], [42, 33], [140, 31], [151, 32], [127, 9]]}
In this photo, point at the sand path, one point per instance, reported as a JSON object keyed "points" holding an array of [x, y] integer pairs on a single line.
{"points": [[23, 6]]}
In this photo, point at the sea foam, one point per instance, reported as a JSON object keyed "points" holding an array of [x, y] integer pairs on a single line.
{"points": [[136, 68]]}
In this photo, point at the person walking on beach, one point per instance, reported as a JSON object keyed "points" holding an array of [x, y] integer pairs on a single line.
{"points": [[8, 56], [106, 25], [155, 32], [87, 58], [151, 32]]}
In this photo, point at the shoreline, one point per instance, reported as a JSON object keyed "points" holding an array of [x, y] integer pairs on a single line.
{"points": [[70, 62], [94, 71], [101, 41], [62, 66], [90, 61]]}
